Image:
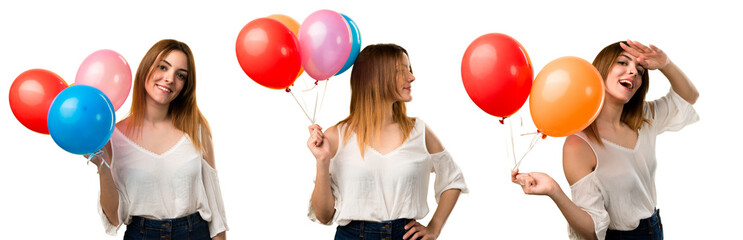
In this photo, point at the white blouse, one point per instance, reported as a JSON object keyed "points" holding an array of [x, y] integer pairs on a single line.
{"points": [[380, 187], [621, 190], [174, 184]]}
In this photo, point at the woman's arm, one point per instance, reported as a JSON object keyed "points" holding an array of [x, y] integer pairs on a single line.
{"points": [[323, 146], [446, 202], [653, 58], [209, 158], [109, 194], [578, 161]]}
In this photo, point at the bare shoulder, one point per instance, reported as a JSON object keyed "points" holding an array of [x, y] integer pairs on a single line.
{"points": [[333, 137], [123, 125], [433, 144], [578, 159], [208, 145]]}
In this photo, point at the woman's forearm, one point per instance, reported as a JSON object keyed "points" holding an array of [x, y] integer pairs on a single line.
{"points": [[680, 83], [323, 201], [446, 204], [578, 219], [109, 196]]}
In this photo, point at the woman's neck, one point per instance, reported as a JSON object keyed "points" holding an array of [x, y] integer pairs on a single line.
{"points": [[388, 115], [156, 113], [611, 114]]}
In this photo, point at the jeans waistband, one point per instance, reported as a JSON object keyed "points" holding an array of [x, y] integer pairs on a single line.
{"points": [[168, 223], [652, 220], [394, 224]]}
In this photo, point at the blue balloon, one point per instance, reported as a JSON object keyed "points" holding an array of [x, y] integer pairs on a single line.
{"points": [[356, 44], [81, 119]]}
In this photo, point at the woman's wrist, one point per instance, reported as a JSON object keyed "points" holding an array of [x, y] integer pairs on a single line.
{"points": [[665, 68]]}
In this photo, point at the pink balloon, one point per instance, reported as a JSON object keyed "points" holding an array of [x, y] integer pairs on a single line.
{"points": [[325, 42], [109, 72]]}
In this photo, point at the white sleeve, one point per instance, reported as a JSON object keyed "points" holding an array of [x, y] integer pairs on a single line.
{"points": [[110, 228], [672, 113], [218, 221], [587, 195], [448, 174]]}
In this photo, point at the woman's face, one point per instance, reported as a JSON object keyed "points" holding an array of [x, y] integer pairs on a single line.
{"points": [[624, 78], [404, 79], [167, 78]]}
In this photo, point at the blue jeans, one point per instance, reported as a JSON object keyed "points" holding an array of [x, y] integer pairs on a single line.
{"points": [[189, 227], [650, 228], [393, 229]]}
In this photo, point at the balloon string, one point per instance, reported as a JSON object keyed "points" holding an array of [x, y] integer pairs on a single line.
{"points": [[103, 161], [322, 99], [314, 113], [533, 142], [529, 133], [513, 149], [300, 106]]}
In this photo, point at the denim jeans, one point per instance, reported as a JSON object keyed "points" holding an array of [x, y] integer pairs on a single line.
{"points": [[393, 229], [189, 227], [650, 228]]}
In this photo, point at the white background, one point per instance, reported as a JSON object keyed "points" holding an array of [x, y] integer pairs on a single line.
{"points": [[260, 134]]}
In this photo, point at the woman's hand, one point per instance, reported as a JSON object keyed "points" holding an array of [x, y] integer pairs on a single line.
{"points": [[418, 231], [535, 183], [319, 145], [650, 58]]}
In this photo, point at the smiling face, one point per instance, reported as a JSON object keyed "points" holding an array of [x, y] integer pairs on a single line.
{"points": [[166, 78], [624, 78], [404, 79]]}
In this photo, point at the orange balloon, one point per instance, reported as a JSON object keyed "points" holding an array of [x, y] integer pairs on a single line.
{"points": [[566, 96], [293, 26]]}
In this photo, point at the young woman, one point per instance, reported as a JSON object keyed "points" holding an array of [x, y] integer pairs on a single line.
{"points": [[374, 166], [157, 174], [611, 164]]}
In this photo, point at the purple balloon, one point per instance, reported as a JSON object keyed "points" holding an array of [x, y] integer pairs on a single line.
{"points": [[325, 42]]}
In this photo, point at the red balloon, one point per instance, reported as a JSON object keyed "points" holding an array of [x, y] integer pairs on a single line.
{"points": [[30, 96], [268, 53], [497, 74]]}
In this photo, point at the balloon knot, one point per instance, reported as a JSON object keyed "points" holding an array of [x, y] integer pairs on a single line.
{"points": [[316, 81], [544, 136], [287, 90], [501, 120]]}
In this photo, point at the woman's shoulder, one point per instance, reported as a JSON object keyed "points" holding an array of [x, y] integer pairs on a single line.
{"points": [[578, 158]]}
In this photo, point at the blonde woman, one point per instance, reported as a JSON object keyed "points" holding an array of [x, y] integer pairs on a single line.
{"points": [[157, 175], [373, 167], [611, 164]]}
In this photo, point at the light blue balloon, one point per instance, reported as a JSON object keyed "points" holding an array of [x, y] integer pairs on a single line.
{"points": [[81, 119], [355, 44]]}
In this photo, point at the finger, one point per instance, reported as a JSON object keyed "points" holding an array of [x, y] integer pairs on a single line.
{"points": [[410, 232], [642, 46], [655, 49], [417, 235], [514, 173], [632, 51], [410, 224]]}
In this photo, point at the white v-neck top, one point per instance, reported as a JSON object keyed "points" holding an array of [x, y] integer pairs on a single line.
{"points": [[621, 190], [173, 184], [380, 187]]}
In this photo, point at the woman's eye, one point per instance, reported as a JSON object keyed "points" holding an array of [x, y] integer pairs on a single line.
{"points": [[623, 63], [181, 76], [162, 67]]}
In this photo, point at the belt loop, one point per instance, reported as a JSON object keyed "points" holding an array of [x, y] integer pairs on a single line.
{"points": [[141, 225], [188, 218], [361, 232]]}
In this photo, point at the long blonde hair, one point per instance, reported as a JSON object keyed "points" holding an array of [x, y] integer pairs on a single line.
{"points": [[183, 110], [374, 83], [632, 113]]}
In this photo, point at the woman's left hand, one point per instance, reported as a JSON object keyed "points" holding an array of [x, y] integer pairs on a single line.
{"points": [[649, 57], [418, 231]]}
